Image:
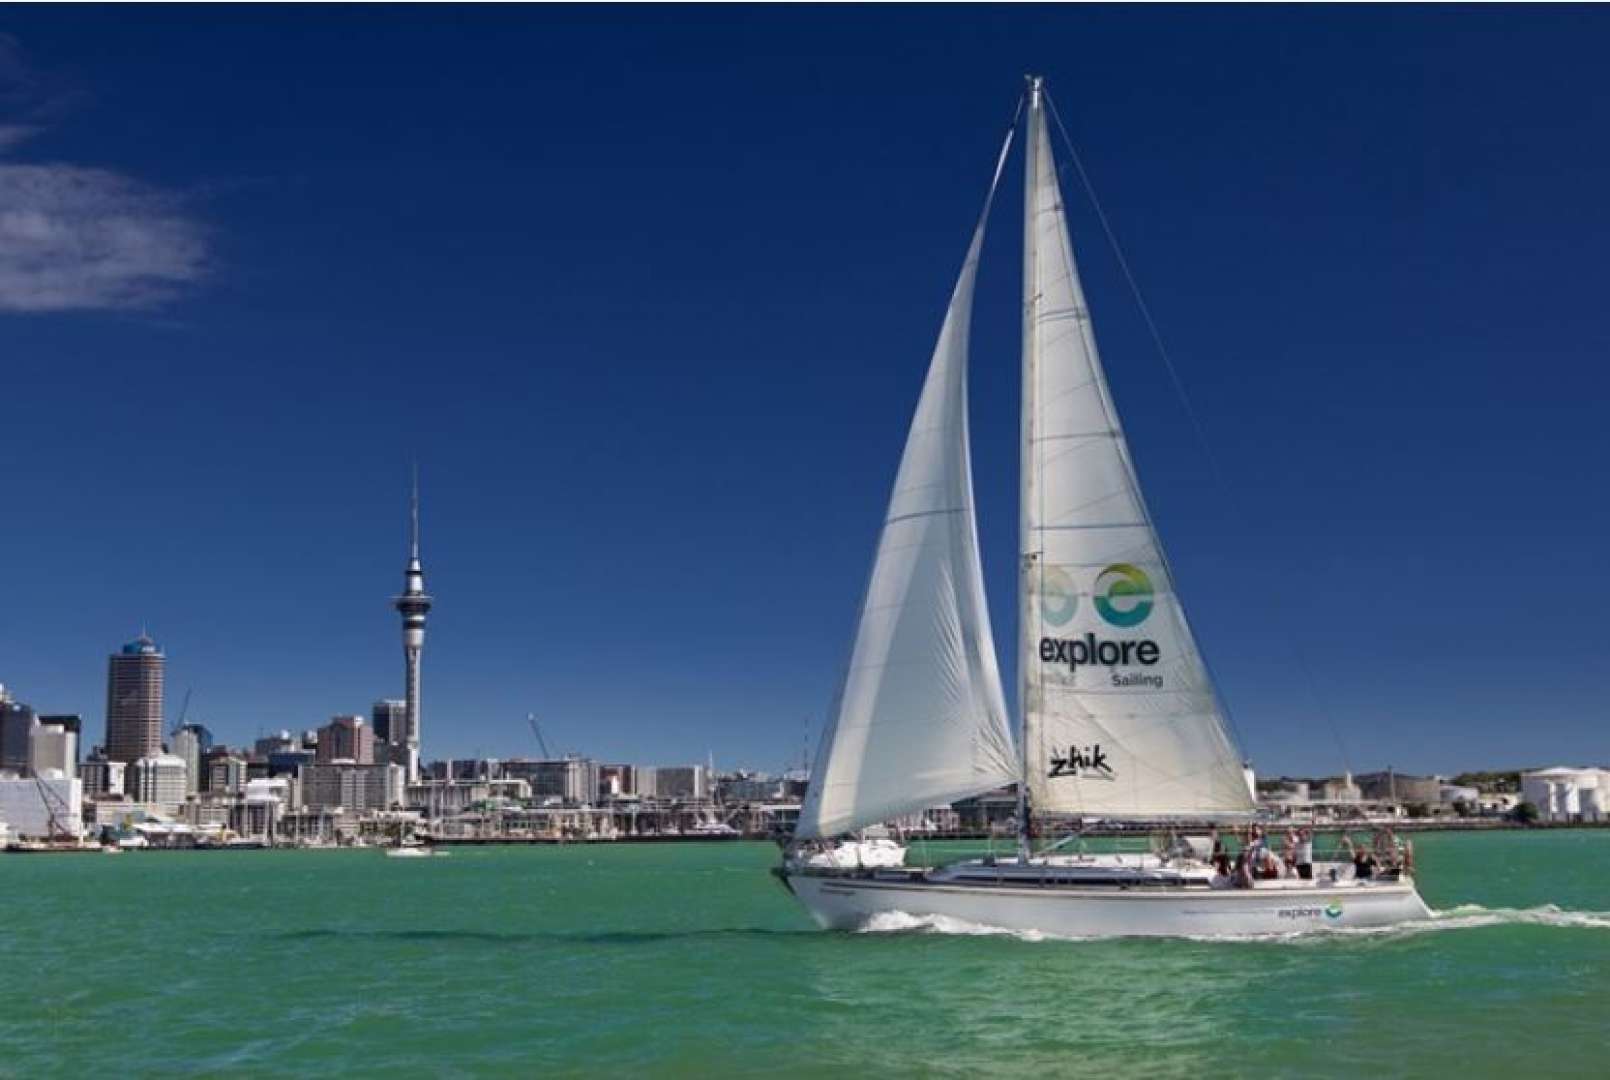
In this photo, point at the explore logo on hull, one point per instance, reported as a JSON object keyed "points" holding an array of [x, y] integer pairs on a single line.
{"points": [[1086, 763], [1330, 912]]}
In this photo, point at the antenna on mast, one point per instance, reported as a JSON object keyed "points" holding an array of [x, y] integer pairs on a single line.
{"points": [[413, 531]]}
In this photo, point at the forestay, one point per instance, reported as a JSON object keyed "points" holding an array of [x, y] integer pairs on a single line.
{"points": [[1120, 717], [921, 717]]}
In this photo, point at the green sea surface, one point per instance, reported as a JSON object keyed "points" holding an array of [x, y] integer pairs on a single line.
{"points": [[689, 959]]}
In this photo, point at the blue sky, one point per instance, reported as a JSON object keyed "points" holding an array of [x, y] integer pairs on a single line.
{"points": [[649, 295]]}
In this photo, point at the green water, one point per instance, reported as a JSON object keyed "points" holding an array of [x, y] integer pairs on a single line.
{"points": [[685, 959]]}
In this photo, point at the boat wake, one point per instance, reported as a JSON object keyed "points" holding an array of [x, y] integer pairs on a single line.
{"points": [[1469, 916], [1463, 917], [899, 922]]}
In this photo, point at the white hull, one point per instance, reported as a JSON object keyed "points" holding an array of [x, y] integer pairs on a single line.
{"points": [[849, 903]]}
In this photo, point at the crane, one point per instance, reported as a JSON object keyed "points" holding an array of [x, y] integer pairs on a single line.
{"points": [[542, 744], [184, 711], [56, 809]]}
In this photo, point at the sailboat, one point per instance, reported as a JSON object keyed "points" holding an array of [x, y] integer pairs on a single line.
{"points": [[1120, 719]]}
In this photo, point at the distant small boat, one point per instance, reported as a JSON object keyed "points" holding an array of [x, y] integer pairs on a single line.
{"points": [[710, 827], [413, 851]]}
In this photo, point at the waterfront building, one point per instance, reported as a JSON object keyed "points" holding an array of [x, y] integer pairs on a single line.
{"points": [[438, 798], [256, 815], [744, 787], [1396, 787], [572, 780], [1282, 791], [17, 723], [53, 746], [617, 781], [413, 604], [1497, 803], [1453, 795], [191, 743], [158, 780], [347, 738], [1336, 790], [687, 782], [208, 815], [43, 807], [226, 773], [1566, 794], [350, 786], [103, 778], [134, 701], [474, 769]]}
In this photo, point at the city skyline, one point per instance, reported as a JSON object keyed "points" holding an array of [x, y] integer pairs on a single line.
{"points": [[651, 306]]}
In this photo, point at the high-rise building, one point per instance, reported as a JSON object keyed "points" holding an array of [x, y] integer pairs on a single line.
{"points": [[17, 724], [53, 747], [69, 722], [103, 779], [191, 742], [270, 744], [389, 718], [134, 701], [159, 780], [412, 605], [347, 738]]}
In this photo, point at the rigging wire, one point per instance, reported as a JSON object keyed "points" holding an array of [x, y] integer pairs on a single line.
{"points": [[1190, 410]]}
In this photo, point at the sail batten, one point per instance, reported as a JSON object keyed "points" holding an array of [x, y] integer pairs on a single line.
{"points": [[1120, 718], [921, 717]]}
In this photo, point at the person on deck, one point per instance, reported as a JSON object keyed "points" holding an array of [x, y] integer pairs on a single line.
{"points": [[1364, 863], [1220, 857], [1305, 854], [1386, 846], [1243, 867]]}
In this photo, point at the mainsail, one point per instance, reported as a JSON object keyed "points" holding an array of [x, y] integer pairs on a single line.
{"points": [[1120, 718], [921, 718]]}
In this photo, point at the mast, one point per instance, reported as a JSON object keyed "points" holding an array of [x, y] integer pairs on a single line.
{"points": [[1027, 468]]}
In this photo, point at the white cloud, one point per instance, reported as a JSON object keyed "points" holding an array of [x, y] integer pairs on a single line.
{"points": [[78, 238], [75, 238]]}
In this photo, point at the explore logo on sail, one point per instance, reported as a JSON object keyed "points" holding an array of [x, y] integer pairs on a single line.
{"points": [[1123, 595], [1123, 598], [1087, 763]]}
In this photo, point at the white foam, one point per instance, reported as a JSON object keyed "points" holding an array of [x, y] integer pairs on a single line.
{"points": [[1473, 915], [1463, 917], [899, 922]]}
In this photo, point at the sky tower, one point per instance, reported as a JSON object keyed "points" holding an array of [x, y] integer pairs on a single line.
{"points": [[412, 606]]}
